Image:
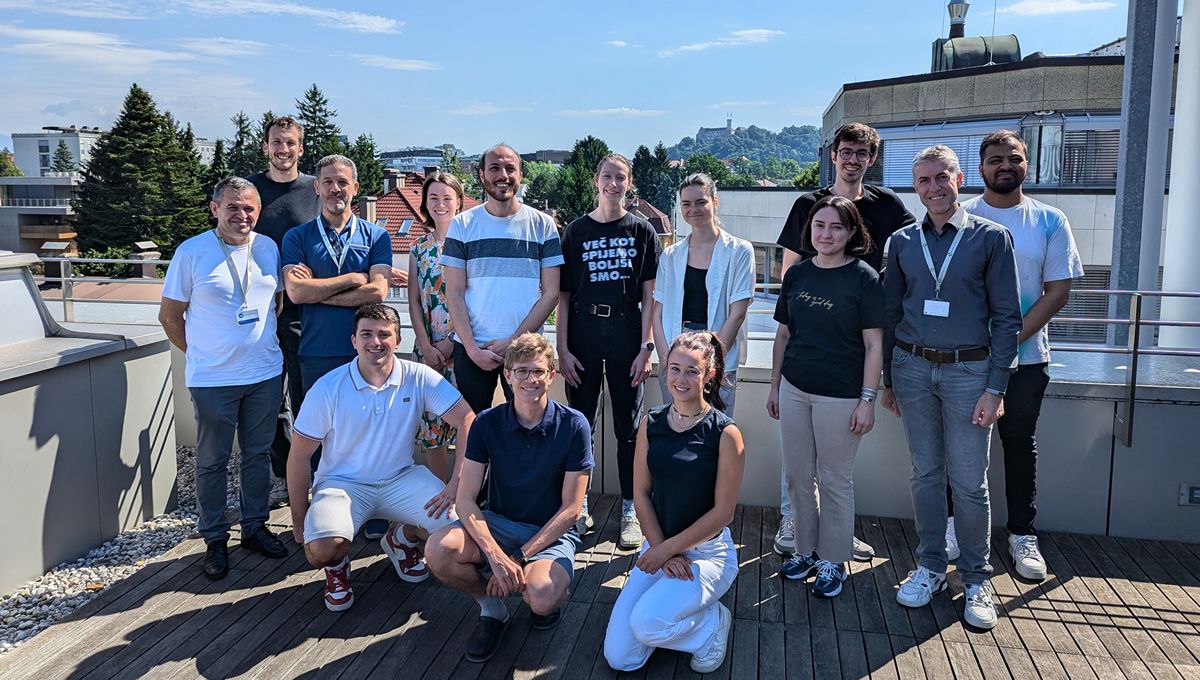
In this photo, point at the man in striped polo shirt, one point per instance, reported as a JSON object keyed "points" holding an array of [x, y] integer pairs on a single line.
{"points": [[501, 263]]}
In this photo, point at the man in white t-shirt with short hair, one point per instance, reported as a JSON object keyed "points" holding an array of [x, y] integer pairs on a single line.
{"points": [[1047, 261], [501, 263], [365, 415], [219, 303]]}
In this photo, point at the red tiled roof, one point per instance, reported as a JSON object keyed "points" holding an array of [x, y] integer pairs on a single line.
{"points": [[657, 218], [401, 204]]}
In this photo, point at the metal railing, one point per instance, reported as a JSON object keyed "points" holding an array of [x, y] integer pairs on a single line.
{"points": [[67, 281], [35, 202]]}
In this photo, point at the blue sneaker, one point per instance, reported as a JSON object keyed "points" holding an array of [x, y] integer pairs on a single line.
{"points": [[375, 529], [830, 578], [799, 567]]}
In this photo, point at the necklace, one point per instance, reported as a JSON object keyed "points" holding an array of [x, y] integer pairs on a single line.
{"points": [[678, 414]]}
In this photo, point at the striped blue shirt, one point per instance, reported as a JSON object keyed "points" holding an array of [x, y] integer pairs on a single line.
{"points": [[503, 258]]}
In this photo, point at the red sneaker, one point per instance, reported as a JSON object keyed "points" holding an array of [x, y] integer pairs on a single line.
{"points": [[406, 557], [338, 593]]}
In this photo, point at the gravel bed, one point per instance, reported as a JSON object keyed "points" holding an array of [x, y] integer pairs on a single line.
{"points": [[68, 586]]}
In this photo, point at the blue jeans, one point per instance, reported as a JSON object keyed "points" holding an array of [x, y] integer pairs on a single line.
{"points": [[253, 411], [936, 403]]}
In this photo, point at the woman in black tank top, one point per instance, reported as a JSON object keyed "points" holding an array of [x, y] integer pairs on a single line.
{"points": [[688, 469]]}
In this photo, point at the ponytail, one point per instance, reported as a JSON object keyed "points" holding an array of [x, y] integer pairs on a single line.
{"points": [[710, 346]]}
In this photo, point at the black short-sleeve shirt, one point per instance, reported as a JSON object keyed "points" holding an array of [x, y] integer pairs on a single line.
{"points": [[607, 262], [826, 310], [683, 468], [881, 209]]}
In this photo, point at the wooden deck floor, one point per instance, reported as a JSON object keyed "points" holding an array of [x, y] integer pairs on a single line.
{"points": [[1111, 608]]}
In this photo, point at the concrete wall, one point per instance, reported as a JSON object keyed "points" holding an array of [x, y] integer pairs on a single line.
{"points": [[88, 451]]}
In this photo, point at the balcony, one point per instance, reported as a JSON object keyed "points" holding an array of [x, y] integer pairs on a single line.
{"points": [[36, 203], [48, 232]]}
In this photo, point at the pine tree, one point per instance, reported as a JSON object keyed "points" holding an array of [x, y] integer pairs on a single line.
{"points": [[665, 191], [370, 168], [321, 134], [185, 201], [64, 160], [218, 169], [8, 164], [575, 194], [245, 152]]}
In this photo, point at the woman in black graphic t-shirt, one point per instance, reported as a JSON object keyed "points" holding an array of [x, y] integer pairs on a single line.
{"points": [[824, 374]]}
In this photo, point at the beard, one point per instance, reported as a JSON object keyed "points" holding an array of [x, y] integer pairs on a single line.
{"points": [[501, 195], [1006, 184]]}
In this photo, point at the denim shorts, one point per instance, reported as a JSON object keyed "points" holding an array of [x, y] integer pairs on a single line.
{"points": [[510, 535]]}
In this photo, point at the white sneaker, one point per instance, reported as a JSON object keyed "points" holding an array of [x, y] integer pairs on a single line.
{"points": [[1027, 557], [785, 538], [979, 610], [711, 659], [278, 496], [920, 587], [952, 551]]}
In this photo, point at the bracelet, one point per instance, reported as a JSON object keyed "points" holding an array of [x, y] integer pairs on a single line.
{"points": [[869, 398]]}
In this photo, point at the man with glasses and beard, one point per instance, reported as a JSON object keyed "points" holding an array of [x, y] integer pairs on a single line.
{"points": [[1047, 261], [501, 263]]}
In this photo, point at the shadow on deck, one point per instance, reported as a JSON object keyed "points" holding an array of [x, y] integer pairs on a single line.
{"points": [[1111, 607]]}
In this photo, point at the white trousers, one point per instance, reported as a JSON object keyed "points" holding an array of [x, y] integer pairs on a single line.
{"points": [[654, 610]]}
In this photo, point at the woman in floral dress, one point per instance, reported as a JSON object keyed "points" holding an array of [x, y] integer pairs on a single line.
{"points": [[441, 199]]}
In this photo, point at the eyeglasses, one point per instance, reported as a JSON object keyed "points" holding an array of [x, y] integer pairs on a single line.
{"points": [[527, 373], [847, 154]]}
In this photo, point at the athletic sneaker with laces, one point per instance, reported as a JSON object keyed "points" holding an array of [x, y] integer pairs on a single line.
{"points": [[406, 556], [785, 538], [338, 593], [709, 660], [630, 537], [952, 551], [799, 567], [830, 578], [1027, 557], [920, 587], [863, 552], [979, 610], [279, 493]]}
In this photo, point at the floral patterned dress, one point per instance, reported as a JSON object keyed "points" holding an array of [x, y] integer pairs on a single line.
{"points": [[434, 432]]}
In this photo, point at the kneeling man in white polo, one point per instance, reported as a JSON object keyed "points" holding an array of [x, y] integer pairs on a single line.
{"points": [[365, 416]]}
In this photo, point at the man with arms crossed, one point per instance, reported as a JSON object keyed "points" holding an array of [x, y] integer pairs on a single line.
{"points": [[218, 307], [855, 149], [537, 455], [365, 415], [1046, 262], [501, 264], [949, 346], [287, 200]]}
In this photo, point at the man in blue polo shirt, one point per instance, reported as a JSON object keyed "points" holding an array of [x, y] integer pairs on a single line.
{"points": [[538, 455], [331, 266]]}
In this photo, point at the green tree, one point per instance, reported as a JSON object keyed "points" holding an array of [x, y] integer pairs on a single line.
{"points": [[142, 182], [542, 178], [64, 160], [809, 176], [8, 164], [370, 168], [707, 163], [321, 134], [218, 169], [245, 154], [575, 194], [453, 165], [264, 122]]}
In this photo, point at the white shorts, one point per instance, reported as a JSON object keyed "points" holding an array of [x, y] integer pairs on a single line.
{"points": [[339, 507]]}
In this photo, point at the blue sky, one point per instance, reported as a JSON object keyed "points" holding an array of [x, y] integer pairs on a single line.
{"points": [[538, 74]]}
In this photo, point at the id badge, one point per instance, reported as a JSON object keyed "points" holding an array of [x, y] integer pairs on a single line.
{"points": [[937, 308], [247, 316]]}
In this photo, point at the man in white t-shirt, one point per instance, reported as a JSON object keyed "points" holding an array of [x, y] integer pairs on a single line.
{"points": [[501, 263], [219, 303], [365, 415], [1047, 261]]}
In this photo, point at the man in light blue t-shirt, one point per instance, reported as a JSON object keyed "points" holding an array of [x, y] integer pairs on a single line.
{"points": [[501, 264], [1047, 261]]}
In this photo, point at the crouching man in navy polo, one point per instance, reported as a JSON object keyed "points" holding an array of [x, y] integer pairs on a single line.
{"points": [[538, 455], [365, 415]]}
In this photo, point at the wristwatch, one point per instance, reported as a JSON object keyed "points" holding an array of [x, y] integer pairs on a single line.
{"points": [[518, 556], [649, 346]]}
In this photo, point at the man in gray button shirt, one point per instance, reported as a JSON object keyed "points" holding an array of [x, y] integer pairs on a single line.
{"points": [[950, 344]]}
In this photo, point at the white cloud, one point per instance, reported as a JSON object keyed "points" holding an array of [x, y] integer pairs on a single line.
{"points": [[617, 43], [330, 18], [749, 36], [394, 64], [223, 47], [737, 105], [619, 112], [1039, 8], [484, 109], [91, 9], [104, 52]]}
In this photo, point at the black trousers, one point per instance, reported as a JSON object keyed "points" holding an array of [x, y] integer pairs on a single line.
{"points": [[288, 332], [476, 384], [1018, 435], [606, 347]]}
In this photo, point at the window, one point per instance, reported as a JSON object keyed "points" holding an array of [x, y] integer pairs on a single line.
{"points": [[768, 268]]}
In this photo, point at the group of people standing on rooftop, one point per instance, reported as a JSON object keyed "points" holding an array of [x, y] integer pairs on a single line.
{"points": [[303, 307]]}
